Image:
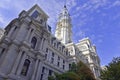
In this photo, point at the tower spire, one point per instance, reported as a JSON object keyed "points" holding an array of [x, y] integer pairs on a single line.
{"points": [[64, 28], [65, 4]]}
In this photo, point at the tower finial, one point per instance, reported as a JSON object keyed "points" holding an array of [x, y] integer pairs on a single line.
{"points": [[65, 4]]}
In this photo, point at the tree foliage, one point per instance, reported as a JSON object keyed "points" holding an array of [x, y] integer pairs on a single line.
{"points": [[65, 76], [84, 72], [76, 72], [113, 70]]}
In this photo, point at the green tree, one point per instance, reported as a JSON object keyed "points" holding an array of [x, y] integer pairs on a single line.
{"points": [[84, 72], [77, 72], [113, 70], [65, 76], [73, 67]]}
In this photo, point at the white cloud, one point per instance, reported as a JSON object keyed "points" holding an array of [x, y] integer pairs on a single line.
{"points": [[81, 34], [88, 6], [116, 3], [71, 3], [93, 37], [13, 7], [3, 4], [50, 6], [3, 21], [78, 35]]}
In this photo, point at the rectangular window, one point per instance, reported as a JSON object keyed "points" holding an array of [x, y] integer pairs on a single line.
{"points": [[50, 72], [47, 50], [63, 66], [58, 58], [45, 56], [66, 52], [69, 66], [52, 54], [25, 67], [52, 60], [58, 64], [35, 14], [41, 77], [43, 69]]}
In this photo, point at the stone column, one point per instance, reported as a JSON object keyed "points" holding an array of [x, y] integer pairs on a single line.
{"points": [[35, 70], [31, 35], [21, 64], [41, 43], [16, 62], [38, 70], [49, 56], [7, 58], [45, 44], [28, 34]]}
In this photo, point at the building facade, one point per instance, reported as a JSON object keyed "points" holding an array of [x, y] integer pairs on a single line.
{"points": [[28, 50]]}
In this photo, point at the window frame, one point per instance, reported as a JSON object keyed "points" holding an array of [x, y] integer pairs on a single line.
{"points": [[25, 67], [33, 42]]}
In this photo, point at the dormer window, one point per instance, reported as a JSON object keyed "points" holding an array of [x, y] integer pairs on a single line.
{"points": [[35, 14]]}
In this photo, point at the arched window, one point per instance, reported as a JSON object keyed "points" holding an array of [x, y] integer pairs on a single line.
{"points": [[25, 67], [33, 42]]}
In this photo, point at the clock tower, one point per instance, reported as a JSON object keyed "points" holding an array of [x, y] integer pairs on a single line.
{"points": [[64, 28]]}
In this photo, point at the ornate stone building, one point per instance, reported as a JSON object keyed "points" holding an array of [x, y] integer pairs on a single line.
{"points": [[28, 50]]}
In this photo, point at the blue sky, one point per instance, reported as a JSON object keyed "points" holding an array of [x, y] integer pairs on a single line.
{"points": [[97, 19]]}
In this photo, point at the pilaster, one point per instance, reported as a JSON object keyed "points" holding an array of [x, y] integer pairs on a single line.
{"points": [[21, 64], [39, 70], [35, 70], [10, 32], [14, 68], [28, 34]]}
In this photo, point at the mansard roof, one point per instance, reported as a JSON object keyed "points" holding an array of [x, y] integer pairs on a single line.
{"points": [[37, 7]]}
